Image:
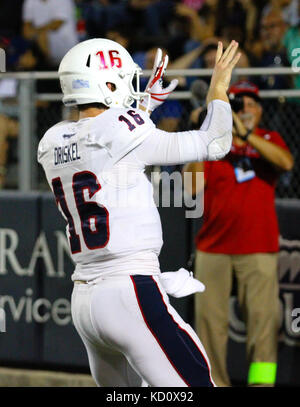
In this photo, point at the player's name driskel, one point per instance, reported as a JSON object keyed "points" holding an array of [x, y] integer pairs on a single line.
{"points": [[66, 154]]}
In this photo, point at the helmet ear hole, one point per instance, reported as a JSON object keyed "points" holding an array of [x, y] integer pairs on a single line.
{"points": [[111, 86]]}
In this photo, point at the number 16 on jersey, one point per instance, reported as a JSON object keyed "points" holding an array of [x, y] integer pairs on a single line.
{"points": [[94, 218]]}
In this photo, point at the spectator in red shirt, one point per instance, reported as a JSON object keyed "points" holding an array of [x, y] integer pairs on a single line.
{"points": [[240, 235]]}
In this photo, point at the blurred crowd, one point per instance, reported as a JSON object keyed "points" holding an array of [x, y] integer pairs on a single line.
{"points": [[36, 34]]}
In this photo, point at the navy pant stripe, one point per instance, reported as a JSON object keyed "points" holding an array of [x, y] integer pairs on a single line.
{"points": [[178, 346]]}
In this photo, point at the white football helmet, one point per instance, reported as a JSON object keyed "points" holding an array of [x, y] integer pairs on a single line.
{"points": [[87, 68]]}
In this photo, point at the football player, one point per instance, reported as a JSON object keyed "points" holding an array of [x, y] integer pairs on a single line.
{"points": [[95, 168]]}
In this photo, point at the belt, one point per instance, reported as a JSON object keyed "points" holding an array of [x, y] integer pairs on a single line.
{"points": [[80, 282]]}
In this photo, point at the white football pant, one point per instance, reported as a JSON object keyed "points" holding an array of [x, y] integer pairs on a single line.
{"points": [[133, 334]]}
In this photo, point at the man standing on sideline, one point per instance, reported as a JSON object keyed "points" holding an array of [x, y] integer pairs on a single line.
{"points": [[240, 235]]}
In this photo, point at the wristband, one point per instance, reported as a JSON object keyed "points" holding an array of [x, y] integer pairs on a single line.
{"points": [[246, 136]]}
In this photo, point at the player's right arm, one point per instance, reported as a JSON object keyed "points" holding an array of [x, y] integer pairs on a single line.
{"points": [[224, 64], [213, 140]]}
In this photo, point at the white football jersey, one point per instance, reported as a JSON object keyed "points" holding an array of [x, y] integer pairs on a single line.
{"points": [[95, 168], [107, 202]]}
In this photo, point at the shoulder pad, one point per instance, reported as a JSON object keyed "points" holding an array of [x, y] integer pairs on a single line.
{"points": [[119, 131]]}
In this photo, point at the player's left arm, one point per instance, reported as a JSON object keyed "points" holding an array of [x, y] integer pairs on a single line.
{"points": [[155, 90], [213, 140], [277, 155]]}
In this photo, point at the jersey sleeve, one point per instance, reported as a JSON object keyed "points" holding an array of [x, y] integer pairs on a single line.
{"points": [[119, 131], [211, 142]]}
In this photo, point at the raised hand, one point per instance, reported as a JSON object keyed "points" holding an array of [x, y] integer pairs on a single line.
{"points": [[157, 94], [224, 64]]}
